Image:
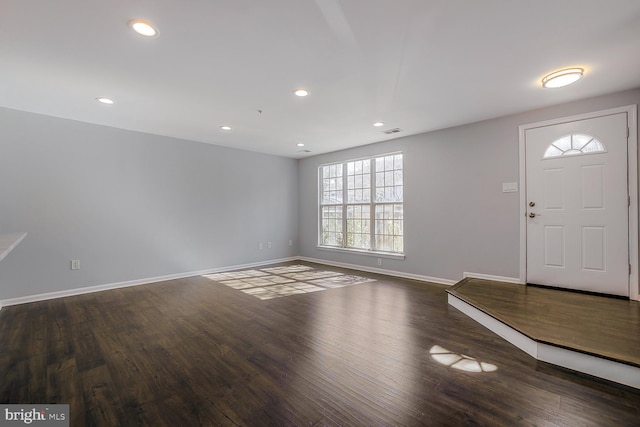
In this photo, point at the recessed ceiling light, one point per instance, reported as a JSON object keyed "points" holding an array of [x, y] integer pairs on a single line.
{"points": [[105, 100], [562, 78], [300, 144], [225, 127], [301, 92], [143, 27], [378, 124]]}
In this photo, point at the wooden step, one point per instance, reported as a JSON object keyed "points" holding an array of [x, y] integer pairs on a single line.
{"points": [[593, 334]]}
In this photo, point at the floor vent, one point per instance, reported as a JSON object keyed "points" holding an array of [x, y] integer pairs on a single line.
{"points": [[392, 131]]}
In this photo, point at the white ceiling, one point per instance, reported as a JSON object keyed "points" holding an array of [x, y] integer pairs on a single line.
{"points": [[418, 65]]}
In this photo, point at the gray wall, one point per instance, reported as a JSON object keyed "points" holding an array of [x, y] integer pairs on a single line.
{"points": [[456, 217], [132, 206]]}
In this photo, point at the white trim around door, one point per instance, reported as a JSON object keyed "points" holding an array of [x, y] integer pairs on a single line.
{"points": [[632, 184]]}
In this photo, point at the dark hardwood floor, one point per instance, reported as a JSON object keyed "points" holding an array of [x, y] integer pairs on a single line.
{"points": [[194, 352]]}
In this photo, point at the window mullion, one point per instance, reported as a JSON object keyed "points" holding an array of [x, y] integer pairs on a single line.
{"points": [[372, 205], [345, 195], [321, 194]]}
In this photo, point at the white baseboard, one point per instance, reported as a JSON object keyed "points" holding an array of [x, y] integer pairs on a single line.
{"points": [[382, 271], [145, 281], [98, 288], [492, 277], [575, 360]]}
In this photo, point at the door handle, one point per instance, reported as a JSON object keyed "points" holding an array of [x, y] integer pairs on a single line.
{"points": [[533, 215]]}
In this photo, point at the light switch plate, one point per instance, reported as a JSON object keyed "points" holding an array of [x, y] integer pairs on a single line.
{"points": [[509, 187]]}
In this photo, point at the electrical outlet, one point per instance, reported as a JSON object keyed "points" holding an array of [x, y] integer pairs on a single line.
{"points": [[75, 264], [379, 261], [260, 246], [290, 242], [269, 245]]}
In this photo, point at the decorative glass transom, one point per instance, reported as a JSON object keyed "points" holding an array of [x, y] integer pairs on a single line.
{"points": [[574, 145]]}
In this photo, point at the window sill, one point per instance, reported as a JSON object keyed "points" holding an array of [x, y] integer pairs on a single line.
{"points": [[388, 255]]}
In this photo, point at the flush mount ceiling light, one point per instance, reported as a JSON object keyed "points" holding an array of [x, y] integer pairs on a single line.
{"points": [[104, 100], [300, 144], [562, 78], [378, 124], [225, 128], [142, 27], [301, 92]]}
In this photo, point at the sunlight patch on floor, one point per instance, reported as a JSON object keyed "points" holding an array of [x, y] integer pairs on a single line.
{"points": [[459, 361], [275, 282]]}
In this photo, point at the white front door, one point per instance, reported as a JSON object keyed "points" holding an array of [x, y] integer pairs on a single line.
{"points": [[577, 205]]}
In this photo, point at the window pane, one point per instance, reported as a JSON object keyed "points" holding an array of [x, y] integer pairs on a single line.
{"points": [[388, 194], [552, 151], [388, 244], [358, 227], [388, 162], [358, 181], [563, 143], [398, 194], [398, 211], [388, 178], [331, 184], [593, 147], [389, 228], [398, 244], [579, 141], [397, 228], [397, 161], [331, 226]]}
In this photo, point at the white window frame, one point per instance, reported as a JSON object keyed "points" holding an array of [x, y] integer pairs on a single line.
{"points": [[372, 203]]}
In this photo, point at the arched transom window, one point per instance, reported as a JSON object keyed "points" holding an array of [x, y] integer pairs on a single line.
{"points": [[574, 145]]}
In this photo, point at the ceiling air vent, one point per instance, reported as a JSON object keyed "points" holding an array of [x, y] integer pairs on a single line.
{"points": [[304, 151], [392, 131]]}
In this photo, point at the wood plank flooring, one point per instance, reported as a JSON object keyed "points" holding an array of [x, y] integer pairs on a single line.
{"points": [[194, 352], [591, 324]]}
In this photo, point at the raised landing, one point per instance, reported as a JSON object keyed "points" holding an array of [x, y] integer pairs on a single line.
{"points": [[596, 335]]}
